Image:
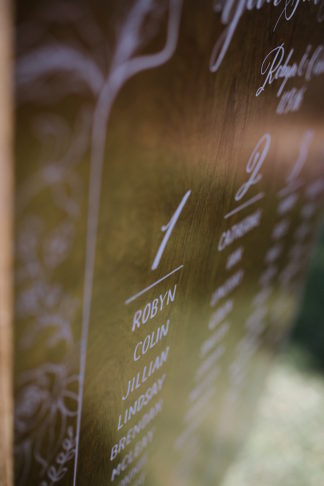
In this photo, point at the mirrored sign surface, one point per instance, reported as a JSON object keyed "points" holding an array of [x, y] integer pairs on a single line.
{"points": [[169, 190]]}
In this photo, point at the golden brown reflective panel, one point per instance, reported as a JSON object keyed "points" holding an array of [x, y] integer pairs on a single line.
{"points": [[169, 187]]}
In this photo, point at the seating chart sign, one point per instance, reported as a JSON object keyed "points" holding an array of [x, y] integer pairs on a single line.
{"points": [[169, 191]]}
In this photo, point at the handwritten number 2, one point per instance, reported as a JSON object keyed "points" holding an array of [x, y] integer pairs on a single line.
{"points": [[168, 228]]}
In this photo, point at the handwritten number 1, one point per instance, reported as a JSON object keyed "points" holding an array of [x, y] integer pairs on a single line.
{"points": [[168, 228]]}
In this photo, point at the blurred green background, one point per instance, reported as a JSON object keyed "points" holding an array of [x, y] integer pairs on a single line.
{"points": [[286, 444]]}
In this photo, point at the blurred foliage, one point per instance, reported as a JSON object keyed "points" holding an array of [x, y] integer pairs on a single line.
{"points": [[306, 345], [286, 442]]}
